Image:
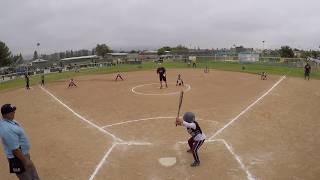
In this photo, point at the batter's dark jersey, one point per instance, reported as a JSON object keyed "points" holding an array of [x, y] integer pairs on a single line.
{"points": [[195, 132]]}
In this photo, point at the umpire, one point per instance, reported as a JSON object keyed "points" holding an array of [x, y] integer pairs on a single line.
{"points": [[16, 145]]}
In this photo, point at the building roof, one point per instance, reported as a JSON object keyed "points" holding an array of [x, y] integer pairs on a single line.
{"points": [[39, 60], [149, 52], [80, 57], [314, 60], [118, 54]]}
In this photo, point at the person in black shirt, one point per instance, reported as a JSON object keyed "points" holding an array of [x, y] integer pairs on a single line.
{"points": [[42, 80], [162, 75], [27, 81], [307, 70]]}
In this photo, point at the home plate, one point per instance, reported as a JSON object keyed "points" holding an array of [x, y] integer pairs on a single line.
{"points": [[167, 161]]}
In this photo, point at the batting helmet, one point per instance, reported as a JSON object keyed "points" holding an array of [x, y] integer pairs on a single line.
{"points": [[189, 117]]}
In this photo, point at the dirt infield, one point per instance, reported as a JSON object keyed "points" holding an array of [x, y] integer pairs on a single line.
{"points": [[104, 129]]}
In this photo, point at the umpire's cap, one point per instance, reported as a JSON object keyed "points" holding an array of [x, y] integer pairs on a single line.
{"points": [[189, 117], [7, 108]]}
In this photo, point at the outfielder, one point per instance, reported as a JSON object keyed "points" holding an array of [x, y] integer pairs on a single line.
{"points": [[197, 136], [206, 70]]}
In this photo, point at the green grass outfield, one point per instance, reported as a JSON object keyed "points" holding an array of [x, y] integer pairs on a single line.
{"points": [[226, 66]]}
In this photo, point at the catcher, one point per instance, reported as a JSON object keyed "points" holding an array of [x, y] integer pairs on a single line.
{"points": [[197, 136]]}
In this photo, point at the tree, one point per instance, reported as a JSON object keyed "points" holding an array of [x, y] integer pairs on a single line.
{"points": [[35, 55], [180, 50], [16, 59], [163, 50], [62, 55], [134, 51], [5, 54], [102, 50], [286, 52], [68, 54]]}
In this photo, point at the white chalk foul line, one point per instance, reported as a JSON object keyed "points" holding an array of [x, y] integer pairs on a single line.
{"points": [[147, 119], [155, 94], [81, 117], [134, 143], [236, 157], [246, 109], [137, 120], [105, 157], [102, 161], [243, 167]]}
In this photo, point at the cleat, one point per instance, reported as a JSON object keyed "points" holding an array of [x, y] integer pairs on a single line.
{"points": [[195, 163]]}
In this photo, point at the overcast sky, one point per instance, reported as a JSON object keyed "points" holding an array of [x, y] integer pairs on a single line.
{"points": [[146, 24]]}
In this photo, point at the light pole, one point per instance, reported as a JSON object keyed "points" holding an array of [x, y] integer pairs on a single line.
{"points": [[38, 45], [263, 47]]}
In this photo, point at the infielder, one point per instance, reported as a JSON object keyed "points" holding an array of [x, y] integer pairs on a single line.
{"points": [[264, 76], [71, 83], [118, 76], [197, 136], [162, 75], [179, 81]]}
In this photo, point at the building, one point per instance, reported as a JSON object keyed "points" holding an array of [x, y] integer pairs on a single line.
{"points": [[40, 64], [79, 61], [133, 58], [119, 58], [248, 56], [148, 55]]}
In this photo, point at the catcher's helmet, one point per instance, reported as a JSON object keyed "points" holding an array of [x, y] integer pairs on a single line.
{"points": [[189, 117]]}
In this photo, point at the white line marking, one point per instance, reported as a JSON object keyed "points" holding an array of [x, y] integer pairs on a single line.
{"points": [[151, 118], [137, 120], [230, 149], [244, 168], [155, 94], [134, 143], [245, 110], [81, 117], [102, 162]]}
